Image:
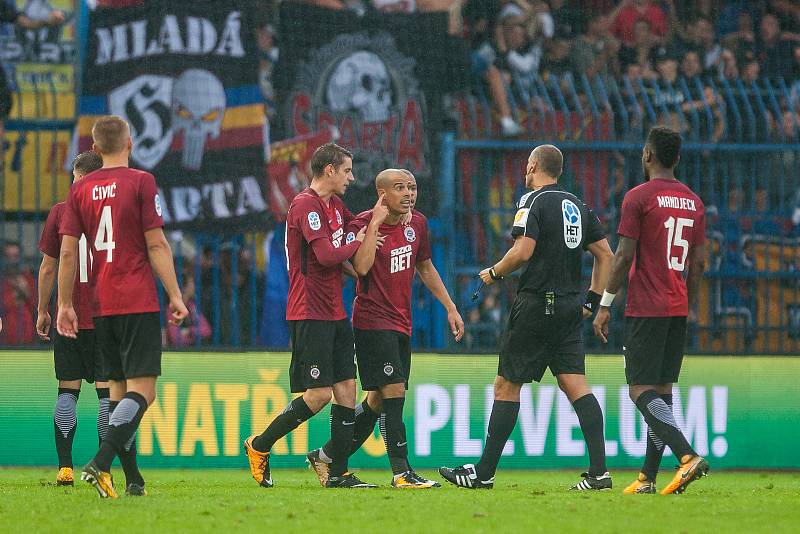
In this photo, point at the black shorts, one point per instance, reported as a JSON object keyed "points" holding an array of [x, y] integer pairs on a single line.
{"points": [[533, 341], [383, 356], [322, 354], [654, 349], [130, 345], [77, 359]]}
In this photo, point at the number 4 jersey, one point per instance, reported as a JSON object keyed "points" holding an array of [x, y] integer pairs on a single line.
{"points": [[667, 219], [50, 244], [114, 207]]}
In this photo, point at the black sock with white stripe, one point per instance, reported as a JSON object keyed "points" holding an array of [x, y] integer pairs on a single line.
{"points": [[393, 429], [343, 420], [501, 423], [127, 457], [655, 447], [659, 418], [65, 421], [590, 417], [122, 425], [295, 414], [103, 409]]}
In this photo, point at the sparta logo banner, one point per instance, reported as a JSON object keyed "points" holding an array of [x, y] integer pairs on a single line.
{"points": [[185, 77], [368, 80]]}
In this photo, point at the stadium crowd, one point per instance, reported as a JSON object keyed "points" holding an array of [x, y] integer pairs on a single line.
{"points": [[507, 43]]}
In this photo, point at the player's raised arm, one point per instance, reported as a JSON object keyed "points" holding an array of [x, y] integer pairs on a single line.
{"points": [[430, 277], [160, 256], [365, 255], [67, 319], [47, 277]]}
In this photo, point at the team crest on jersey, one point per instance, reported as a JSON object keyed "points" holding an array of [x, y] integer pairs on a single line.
{"points": [[388, 370], [338, 218], [410, 234], [573, 231], [314, 221], [314, 372], [350, 238], [158, 205]]}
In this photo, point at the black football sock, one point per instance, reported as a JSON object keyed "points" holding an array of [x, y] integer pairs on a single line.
{"points": [[102, 413], [659, 418], [341, 442], [65, 421], [394, 432], [501, 423], [655, 447], [591, 419], [364, 427], [127, 456], [122, 425], [295, 414]]}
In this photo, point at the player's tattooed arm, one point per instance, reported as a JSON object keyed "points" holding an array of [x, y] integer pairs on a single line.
{"points": [[430, 277], [67, 319], [160, 255], [47, 277], [517, 255], [621, 265]]}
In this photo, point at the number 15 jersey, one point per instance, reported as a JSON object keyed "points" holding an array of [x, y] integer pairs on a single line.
{"points": [[114, 207], [667, 219]]}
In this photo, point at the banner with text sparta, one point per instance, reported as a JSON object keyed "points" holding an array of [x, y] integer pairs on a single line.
{"points": [[208, 403], [371, 79], [185, 77]]}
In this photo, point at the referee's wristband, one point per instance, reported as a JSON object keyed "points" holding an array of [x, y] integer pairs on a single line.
{"points": [[608, 299], [493, 274], [592, 301]]}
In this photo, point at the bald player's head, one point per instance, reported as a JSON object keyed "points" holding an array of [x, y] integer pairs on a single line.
{"points": [[549, 160], [386, 177]]}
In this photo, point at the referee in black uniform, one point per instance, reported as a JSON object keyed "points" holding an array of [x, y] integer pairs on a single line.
{"points": [[552, 228]]}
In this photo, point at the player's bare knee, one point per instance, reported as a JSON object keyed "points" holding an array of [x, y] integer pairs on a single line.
{"points": [[506, 390], [317, 398], [69, 384], [393, 391], [375, 401], [574, 386], [344, 393]]}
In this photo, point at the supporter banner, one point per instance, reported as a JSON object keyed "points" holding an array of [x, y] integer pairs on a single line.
{"points": [[729, 407], [374, 79], [184, 75], [40, 67], [289, 169]]}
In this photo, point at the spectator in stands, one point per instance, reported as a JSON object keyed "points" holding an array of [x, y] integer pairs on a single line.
{"points": [[479, 21], [730, 19], [744, 35], [596, 51], [640, 52], [773, 51], [708, 46], [629, 12], [557, 58], [17, 298], [9, 14], [521, 56], [195, 325]]}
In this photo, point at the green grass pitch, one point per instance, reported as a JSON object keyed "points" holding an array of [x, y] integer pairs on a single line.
{"points": [[522, 501]]}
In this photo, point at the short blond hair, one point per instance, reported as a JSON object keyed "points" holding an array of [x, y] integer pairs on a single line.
{"points": [[110, 134]]}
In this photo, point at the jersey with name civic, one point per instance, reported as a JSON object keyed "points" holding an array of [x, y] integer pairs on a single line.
{"points": [[50, 244], [315, 291], [383, 296], [562, 226], [667, 219], [114, 207]]}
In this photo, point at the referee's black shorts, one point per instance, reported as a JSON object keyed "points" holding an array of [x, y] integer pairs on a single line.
{"points": [[322, 354], [130, 345], [77, 359], [533, 341], [653, 349]]}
